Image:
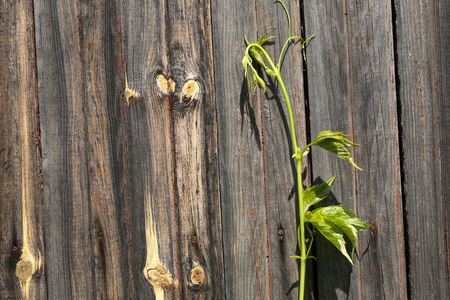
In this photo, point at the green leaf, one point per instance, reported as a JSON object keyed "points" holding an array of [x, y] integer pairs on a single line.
{"points": [[259, 81], [335, 221], [315, 194], [264, 40], [334, 142], [245, 62]]}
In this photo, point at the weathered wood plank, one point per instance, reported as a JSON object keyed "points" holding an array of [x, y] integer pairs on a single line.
{"points": [[193, 108], [22, 258], [243, 195], [256, 172], [100, 39], [149, 161], [149, 133], [78, 57], [169, 65], [423, 62], [352, 90], [65, 181]]}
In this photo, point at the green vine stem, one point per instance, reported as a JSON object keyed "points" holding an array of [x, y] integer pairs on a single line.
{"points": [[332, 222], [275, 71]]}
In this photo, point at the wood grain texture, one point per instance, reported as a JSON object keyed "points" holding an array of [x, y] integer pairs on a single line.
{"points": [[149, 160], [242, 183], [22, 253], [161, 176], [351, 77], [169, 63], [423, 61], [256, 172], [78, 50]]}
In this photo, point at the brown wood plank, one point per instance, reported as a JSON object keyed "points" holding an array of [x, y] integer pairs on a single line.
{"points": [[22, 253], [78, 58], [193, 109], [169, 66], [256, 171], [423, 61], [100, 39], [351, 77], [149, 161]]}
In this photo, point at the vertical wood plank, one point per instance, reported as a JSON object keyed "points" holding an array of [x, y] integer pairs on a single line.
{"points": [[150, 159], [65, 178], [193, 113], [351, 79], [169, 68], [279, 168], [423, 61], [22, 253], [256, 171], [78, 57], [100, 41], [241, 158]]}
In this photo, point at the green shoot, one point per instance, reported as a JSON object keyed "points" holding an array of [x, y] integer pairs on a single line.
{"points": [[332, 222]]}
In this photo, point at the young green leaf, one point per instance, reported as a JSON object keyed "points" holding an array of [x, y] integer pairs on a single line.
{"points": [[335, 221], [264, 40], [315, 194], [334, 142], [256, 53], [257, 80]]}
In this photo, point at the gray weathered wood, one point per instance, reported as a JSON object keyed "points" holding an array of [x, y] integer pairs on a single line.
{"points": [[22, 254], [423, 60], [241, 158], [351, 77], [256, 170], [98, 124], [161, 176]]}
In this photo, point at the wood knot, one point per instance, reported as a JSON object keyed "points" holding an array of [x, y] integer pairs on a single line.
{"points": [[159, 277], [24, 269], [165, 84], [197, 277], [190, 91]]}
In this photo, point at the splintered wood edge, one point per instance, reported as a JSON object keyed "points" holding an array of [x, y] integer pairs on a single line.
{"points": [[129, 93]]}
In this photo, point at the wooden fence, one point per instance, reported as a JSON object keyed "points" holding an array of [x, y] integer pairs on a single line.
{"points": [[136, 164]]}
